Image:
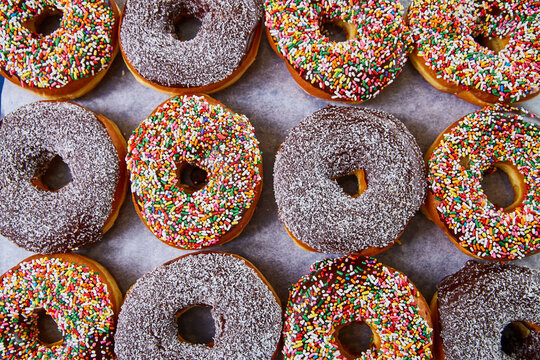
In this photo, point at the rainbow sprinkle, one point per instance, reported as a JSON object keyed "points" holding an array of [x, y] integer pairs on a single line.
{"points": [[73, 295], [444, 32], [189, 129], [81, 47], [349, 289], [354, 70], [495, 134]]}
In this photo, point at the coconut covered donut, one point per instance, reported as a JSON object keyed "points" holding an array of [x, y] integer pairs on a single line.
{"points": [[351, 289], [78, 214], [79, 294], [70, 61], [224, 47], [246, 312], [334, 142], [217, 149], [354, 70], [473, 307], [497, 137], [482, 51]]}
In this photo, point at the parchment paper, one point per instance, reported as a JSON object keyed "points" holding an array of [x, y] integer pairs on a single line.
{"points": [[274, 103]]}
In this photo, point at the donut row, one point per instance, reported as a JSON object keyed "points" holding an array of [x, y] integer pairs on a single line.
{"points": [[196, 177], [483, 52], [474, 311]]}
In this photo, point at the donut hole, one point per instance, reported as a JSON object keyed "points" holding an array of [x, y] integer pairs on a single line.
{"points": [[196, 325], [56, 175], [494, 44], [45, 23], [337, 30], [48, 332], [353, 184], [187, 27], [503, 188], [354, 338], [514, 337], [191, 177]]}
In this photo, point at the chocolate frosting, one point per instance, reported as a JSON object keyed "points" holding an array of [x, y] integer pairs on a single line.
{"points": [[149, 42], [246, 312], [336, 141], [45, 221], [479, 301]]}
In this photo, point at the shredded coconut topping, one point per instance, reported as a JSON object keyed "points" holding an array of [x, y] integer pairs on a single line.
{"points": [[45, 221], [336, 141], [246, 312], [149, 42], [479, 301]]}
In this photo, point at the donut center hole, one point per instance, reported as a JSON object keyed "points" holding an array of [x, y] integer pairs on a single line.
{"points": [[48, 332], [514, 337], [494, 44], [196, 325], [354, 339], [45, 23], [353, 184], [56, 175], [191, 177], [501, 186], [187, 27], [337, 30]]}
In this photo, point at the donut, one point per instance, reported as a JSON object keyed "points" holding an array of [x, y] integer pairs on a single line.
{"points": [[70, 61], [354, 70], [484, 52], [338, 141], [78, 214], [201, 134], [224, 47], [338, 292], [79, 294], [472, 308], [496, 137], [245, 309]]}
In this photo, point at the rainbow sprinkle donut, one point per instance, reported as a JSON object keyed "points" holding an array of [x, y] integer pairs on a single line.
{"points": [[78, 293], [482, 51], [197, 133], [66, 63], [350, 289], [497, 137], [355, 70]]}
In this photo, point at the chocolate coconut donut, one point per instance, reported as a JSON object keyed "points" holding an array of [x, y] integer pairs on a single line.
{"points": [[475, 305], [336, 141], [225, 45], [37, 218], [246, 311]]}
